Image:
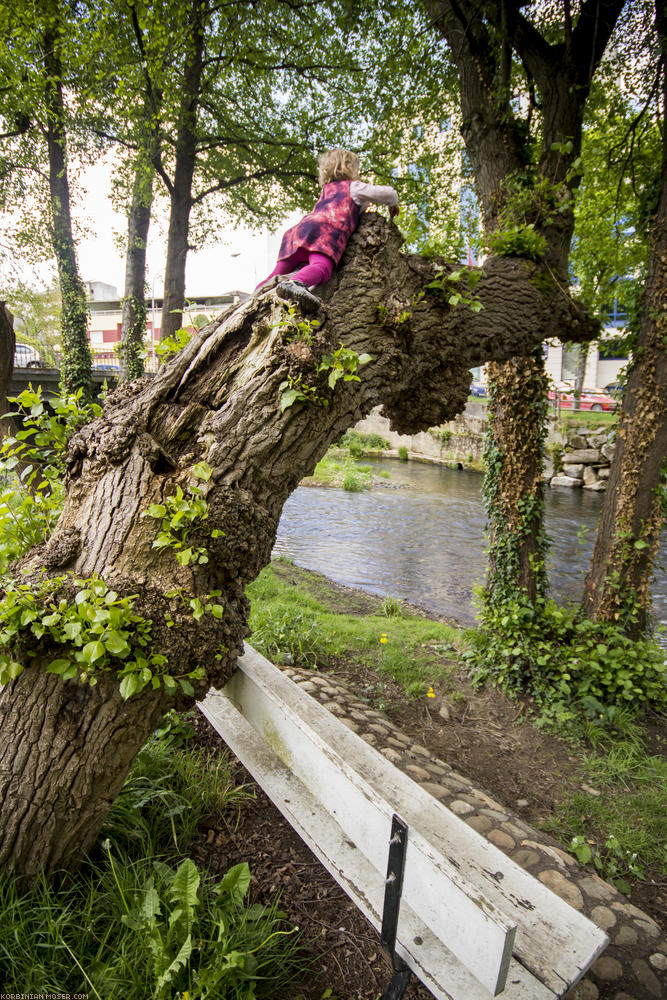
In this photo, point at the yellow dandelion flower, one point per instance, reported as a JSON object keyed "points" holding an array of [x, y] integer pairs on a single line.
{"points": [[430, 693], [383, 637]]}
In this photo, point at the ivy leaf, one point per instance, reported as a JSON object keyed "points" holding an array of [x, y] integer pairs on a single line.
{"points": [[92, 651], [128, 686], [288, 398], [116, 644]]}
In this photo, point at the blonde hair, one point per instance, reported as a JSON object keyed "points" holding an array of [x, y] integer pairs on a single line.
{"points": [[338, 165]]}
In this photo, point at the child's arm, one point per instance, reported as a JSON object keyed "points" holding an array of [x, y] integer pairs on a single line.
{"points": [[380, 194]]}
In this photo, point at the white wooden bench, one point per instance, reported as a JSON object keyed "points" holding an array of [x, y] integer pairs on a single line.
{"points": [[472, 923]]}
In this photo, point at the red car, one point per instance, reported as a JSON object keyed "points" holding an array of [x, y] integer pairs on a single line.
{"points": [[590, 399]]}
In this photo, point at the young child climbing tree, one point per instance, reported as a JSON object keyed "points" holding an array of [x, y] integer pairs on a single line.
{"points": [[314, 246]]}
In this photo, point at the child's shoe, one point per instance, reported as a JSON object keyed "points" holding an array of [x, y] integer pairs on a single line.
{"points": [[296, 291]]}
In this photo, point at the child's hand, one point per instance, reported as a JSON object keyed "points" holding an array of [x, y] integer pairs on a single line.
{"points": [[393, 211]]}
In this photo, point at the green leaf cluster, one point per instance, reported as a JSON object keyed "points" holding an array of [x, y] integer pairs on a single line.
{"points": [[457, 287], [192, 935], [181, 514], [96, 631], [342, 363], [166, 348], [32, 463]]}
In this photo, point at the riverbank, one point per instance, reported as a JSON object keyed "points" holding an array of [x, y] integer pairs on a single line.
{"points": [[579, 445]]}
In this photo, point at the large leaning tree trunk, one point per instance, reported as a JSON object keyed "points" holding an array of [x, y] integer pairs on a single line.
{"points": [[617, 587], [65, 748]]}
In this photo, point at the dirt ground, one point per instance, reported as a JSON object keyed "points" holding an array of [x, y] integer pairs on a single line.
{"points": [[481, 734]]}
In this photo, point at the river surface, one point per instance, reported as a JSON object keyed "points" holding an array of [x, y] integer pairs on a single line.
{"points": [[425, 542]]}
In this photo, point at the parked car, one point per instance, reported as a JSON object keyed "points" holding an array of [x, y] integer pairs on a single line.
{"points": [[615, 390], [477, 389], [590, 399], [26, 356]]}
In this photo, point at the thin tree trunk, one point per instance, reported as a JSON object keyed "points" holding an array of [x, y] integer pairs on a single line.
{"points": [[514, 483], [219, 401], [7, 348], [134, 301], [181, 192], [76, 363], [635, 504], [480, 37]]}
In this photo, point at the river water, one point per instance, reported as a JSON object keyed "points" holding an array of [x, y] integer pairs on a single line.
{"points": [[425, 542]]}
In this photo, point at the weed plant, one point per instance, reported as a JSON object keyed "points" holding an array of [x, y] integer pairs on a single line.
{"points": [[133, 929]]}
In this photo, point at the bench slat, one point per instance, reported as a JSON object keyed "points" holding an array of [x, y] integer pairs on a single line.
{"points": [[440, 971]]}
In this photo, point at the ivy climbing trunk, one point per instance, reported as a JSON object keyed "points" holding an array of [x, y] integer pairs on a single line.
{"points": [[635, 503], [134, 301], [219, 402], [513, 482], [527, 211], [76, 362]]}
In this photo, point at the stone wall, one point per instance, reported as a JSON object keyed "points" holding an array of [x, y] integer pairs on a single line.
{"points": [[585, 460], [460, 441]]}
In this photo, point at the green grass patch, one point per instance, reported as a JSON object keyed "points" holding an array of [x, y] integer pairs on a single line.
{"points": [[338, 469], [295, 619], [591, 419], [621, 830]]}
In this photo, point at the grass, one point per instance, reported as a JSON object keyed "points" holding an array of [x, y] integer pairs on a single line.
{"points": [[592, 419], [138, 920], [338, 469], [622, 828], [299, 622]]}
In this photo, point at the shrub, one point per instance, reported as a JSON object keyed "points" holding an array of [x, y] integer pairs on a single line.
{"points": [[403, 453], [363, 442], [572, 666]]}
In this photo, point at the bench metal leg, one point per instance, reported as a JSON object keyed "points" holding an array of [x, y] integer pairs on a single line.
{"points": [[392, 901], [398, 985]]}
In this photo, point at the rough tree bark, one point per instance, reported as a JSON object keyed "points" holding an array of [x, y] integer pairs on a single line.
{"points": [[180, 192], [7, 347], [635, 503], [64, 748]]}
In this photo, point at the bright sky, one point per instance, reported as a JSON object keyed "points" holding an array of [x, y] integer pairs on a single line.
{"points": [[238, 262]]}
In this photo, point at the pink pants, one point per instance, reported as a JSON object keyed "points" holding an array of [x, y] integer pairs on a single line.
{"points": [[318, 269]]}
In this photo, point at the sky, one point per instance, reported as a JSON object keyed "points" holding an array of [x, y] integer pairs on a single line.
{"points": [[237, 262]]}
